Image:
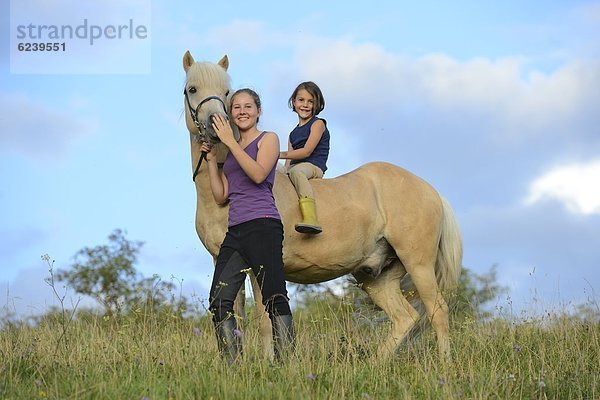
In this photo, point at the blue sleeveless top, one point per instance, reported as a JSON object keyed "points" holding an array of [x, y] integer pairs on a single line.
{"points": [[298, 138], [248, 200]]}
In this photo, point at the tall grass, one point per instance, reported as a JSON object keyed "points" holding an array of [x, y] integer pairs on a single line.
{"points": [[163, 357]]}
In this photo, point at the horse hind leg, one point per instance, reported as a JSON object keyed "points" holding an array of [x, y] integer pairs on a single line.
{"points": [[419, 261], [385, 292], [425, 282]]}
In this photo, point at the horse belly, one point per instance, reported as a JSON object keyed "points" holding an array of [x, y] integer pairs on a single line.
{"points": [[319, 262]]}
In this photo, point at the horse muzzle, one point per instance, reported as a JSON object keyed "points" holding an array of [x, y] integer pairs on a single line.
{"points": [[209, 133]]}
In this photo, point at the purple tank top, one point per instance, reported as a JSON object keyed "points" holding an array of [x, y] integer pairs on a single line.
{"points": [[248, 200]]}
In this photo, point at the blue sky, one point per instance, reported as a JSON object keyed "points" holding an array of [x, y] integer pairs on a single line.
{"points": [[496, 105]]}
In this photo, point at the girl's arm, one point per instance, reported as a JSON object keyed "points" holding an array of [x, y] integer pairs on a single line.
{"points": [[268, 151], [316, 132], [268, 154], [218, 181]]}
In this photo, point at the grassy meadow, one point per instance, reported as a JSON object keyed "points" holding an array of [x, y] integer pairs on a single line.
{"points": [[166, 357]]}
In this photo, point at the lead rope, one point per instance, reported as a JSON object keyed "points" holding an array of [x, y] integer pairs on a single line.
{"points": [[202, 157]]}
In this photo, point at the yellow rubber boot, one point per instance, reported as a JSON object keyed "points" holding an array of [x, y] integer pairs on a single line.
{"points": [[309, 223]]}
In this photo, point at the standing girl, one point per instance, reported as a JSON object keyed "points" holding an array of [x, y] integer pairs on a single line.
{"points": [[255, 233], [308, 150]]}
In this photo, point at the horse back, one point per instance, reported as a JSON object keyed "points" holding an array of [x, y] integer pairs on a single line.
{"points": [[359, 211]]}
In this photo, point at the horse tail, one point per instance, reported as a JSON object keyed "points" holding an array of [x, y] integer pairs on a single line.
{"points": [[448, 266]]}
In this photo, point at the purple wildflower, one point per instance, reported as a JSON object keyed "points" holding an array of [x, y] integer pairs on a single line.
{"points": [[517, 348], [197, 331], [237, 333], [310, 376]]}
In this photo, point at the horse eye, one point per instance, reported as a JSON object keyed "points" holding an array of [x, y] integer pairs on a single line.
{"points": [[227, 93], [192, 90]]}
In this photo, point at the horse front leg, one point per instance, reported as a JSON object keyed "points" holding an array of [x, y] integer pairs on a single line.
{"points": [[264, 323], [239, 306]]}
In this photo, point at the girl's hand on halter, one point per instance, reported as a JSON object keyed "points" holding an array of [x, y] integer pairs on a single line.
{"points": [[209, 150], [223, 129]]}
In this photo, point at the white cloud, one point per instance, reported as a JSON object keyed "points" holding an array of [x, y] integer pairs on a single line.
{"points": [[231, 38], [35, 128], [29, 294], [576, 186], [507, 95], [234, 36], [555, 100]]}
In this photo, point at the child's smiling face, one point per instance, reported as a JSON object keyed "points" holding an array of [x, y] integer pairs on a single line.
{"points": [[304, 104]]}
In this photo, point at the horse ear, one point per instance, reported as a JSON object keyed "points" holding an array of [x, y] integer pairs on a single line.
{"points": [[188, 60], [224, 62]]}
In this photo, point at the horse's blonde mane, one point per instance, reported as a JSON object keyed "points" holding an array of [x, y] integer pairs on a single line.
{"points": [[208, 74]]}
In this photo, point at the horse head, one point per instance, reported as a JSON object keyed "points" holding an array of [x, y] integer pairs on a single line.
{"points": [[205, 94]]}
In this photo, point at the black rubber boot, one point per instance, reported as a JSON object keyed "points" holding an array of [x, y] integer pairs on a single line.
{"points": [[229, 340], [283, 336]]}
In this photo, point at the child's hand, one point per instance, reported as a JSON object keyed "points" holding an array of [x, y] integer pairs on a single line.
{"points": [[223, 129]]}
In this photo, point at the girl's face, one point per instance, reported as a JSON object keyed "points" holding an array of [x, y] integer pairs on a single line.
{"points": [[244, 111], [304, 104]]}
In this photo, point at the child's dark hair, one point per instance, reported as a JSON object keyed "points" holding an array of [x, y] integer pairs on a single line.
{"points": [[313, 89]]}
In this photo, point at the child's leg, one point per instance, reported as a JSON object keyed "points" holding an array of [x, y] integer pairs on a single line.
{"points": [[300, 174]]}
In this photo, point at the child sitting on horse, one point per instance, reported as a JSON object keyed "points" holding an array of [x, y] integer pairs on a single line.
{"points": [[308, 150]]}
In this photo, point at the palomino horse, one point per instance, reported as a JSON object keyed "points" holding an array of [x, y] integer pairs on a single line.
{"points": [[387, 227]]}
